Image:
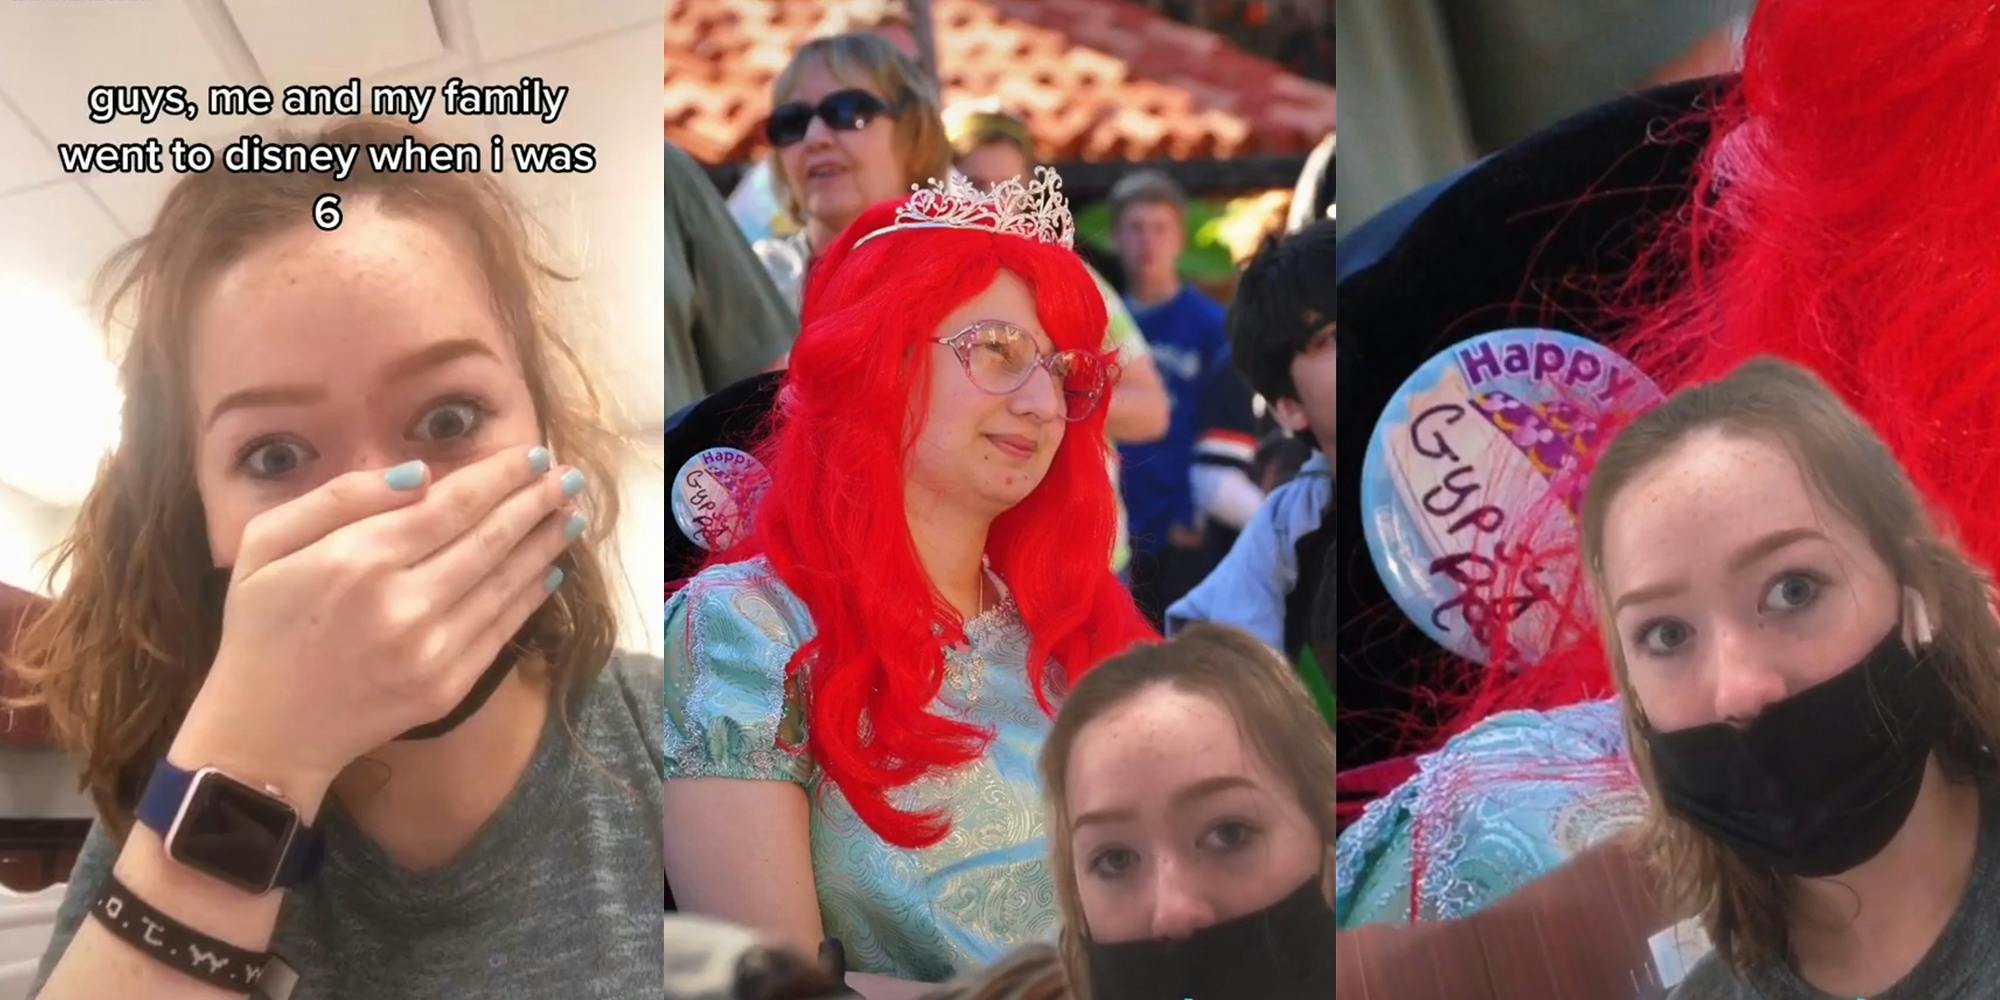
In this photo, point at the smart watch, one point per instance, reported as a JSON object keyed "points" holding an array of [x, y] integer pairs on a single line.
{"points": [[228, 829]]}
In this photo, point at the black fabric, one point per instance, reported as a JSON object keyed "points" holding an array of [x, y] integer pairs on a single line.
{"points": [[1536, 235], [1163, 577], [1229, 414], [1313, 550], [1282, 952], [1817, 783], [732, 417]]}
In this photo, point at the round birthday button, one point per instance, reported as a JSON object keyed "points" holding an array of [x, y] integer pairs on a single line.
{"points": [[715, 494], [1475, 471]]}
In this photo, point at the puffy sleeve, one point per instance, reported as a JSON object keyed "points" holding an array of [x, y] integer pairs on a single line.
{"points": [[731, 712]]}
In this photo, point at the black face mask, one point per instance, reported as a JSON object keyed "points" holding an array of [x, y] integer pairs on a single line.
{"points": [[474, 700], [1282, 952], [1817, 783]]}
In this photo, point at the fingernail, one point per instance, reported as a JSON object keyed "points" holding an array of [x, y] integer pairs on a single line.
{"points": [[572, 482], [554, 579], [538, 460], [407, 476], [574, 529]]}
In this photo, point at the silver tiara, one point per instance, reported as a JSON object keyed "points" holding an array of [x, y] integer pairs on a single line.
{"points": [[1037, 211]]}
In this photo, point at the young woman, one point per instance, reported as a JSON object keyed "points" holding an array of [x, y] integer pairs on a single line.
{"points": [[856, 695], [1854, 668], [1811, 693], [991, 147], [1191, 795], [854, 123], [1842, 227], [335, 648]]}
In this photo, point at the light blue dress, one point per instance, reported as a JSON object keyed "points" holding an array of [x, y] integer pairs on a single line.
{"points": [[1500, 805], [927, 914]]}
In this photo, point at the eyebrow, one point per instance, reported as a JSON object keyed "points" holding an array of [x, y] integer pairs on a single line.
{"points": [[1199, 790], [1036, 337], [441, 353], [269, 395], [1744, 556], [402, 369]]}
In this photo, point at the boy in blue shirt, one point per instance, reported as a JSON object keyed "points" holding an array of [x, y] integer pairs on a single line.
{"points": [[1190, 346], [1281, 331]]}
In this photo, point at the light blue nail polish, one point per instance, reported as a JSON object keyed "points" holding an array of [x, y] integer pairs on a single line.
{"points": [[554, 579], [572, 483], [407, 476], [538, 460], [574, 529]]}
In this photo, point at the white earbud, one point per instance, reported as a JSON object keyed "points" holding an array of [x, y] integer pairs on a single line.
{"points": [[1920, 617]]}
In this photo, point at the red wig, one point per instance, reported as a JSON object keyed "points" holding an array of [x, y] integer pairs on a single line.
{"points": [[1842, 217], [834, 528]]}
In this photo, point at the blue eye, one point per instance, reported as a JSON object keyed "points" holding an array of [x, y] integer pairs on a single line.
{"points": [[1792, 592], [450, 421], [1229, 837], [274, 459], [1113, 862], [1662, 636]]}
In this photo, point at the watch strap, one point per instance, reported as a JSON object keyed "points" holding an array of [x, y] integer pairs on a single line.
{"points": [[161, 800], [302, 859], [169, 787]]}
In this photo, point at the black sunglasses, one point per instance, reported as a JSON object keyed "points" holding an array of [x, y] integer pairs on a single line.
{"points": [[847, 110]]}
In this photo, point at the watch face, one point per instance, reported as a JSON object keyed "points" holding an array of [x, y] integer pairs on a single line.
{"points": [[232, 831]]}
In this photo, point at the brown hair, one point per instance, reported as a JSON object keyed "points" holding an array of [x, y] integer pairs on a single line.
{"points": [[1278, 719], [127, 642], [1032, 972], [1145, 187], [901, 83], [1742, 903], [972, 126]]}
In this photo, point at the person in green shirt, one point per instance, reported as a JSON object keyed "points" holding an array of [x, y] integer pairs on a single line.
{"points": [[725, 319]]}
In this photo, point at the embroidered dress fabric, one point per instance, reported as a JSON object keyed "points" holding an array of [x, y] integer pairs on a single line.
{"points": [[1499, 806], [927, 914]]}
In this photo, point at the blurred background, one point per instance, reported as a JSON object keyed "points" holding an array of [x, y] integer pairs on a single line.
{"points": [[1225, 97], [1433, 85], [59, 405]]}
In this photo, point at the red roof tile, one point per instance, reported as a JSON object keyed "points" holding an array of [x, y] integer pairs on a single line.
{"points": [[1094, 79]]}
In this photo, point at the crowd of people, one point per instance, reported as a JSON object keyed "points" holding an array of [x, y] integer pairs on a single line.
{"points": [[923, 736], [1197, 448], [995, 695]]}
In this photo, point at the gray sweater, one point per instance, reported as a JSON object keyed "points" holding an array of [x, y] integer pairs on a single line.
{"points": [[558, 897], [1960, 964]]}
